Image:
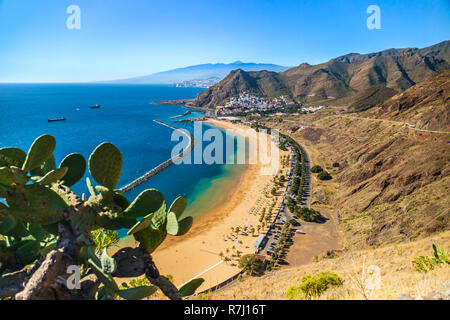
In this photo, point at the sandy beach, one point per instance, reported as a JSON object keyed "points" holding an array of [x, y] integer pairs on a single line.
{"points": [[201, 252]]}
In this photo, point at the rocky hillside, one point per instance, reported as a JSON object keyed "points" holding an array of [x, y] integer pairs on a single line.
{"points": [[335, 81], [262, 83], [394, 174], [392, 264], [425, 105]]}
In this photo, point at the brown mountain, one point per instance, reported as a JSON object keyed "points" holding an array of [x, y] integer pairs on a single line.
{"points": [[392, 181], [425, 105], [262, 83], [338, 79]]}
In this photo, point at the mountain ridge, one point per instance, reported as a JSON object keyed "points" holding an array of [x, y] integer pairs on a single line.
{"points": [[339, 78], [199, 72]]}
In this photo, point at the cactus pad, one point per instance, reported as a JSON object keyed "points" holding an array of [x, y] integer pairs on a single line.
{"points": [[53, 176], [7, 223], [105, 165], [172, 224], [37, 204], [120, 200], [140, 225], [178, 206], [137, 293], [90, 187], [12, 175], [146, 202], [44, 168], [19, 230], [184, 225], [149, 239], [189, 288], [37, 231], [104, 277], [12, 157], [160, 218], [106, 222], [77, 167], [29, 251], [40, 151]]}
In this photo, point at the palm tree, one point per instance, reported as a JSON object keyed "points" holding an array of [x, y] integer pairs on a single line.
{"points": [[249, 263]]}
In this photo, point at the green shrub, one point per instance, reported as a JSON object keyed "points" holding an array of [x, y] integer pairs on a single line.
{"points": [[425, 264], [324, 175], [204, 296], [307, 214], [336, 164], [249, 263], [422, 264], [314, 286], [316, 169]]}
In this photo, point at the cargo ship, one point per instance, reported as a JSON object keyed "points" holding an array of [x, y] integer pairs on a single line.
{"points": [[57, 119], [95, 106]]}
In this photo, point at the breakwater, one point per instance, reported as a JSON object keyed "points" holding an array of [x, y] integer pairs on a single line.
{"points": [[166, 163], [192, 120], [182, 115]]}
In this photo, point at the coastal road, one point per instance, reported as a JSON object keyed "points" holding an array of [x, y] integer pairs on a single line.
{"points": [[286, 214], [306, 198], [411, 126]]}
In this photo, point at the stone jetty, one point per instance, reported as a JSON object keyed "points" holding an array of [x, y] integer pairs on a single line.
{"points": [[166, 163]]}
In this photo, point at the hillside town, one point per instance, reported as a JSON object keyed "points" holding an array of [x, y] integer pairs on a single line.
{"points": [[248, 103]]}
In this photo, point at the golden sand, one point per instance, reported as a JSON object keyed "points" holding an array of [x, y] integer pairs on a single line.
{"points": [[197, 254]]}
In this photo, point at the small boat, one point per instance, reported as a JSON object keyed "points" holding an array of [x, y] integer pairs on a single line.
{"points": [[57, 119], [95, 106]]}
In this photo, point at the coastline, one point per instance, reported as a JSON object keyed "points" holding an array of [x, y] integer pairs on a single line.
{"points": [[198, 252]]}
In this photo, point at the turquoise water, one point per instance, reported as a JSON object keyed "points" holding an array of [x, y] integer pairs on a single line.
{"points": [[125, 119]]}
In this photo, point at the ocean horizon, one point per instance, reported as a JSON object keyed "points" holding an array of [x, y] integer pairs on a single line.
{"points": [[125, 118]]}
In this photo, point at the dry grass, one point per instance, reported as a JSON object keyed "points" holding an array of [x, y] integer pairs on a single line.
{"points": [[358, 269]]}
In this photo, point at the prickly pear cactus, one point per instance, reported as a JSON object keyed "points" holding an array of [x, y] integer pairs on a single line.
{"points": [[37, 204], [105, 165]]}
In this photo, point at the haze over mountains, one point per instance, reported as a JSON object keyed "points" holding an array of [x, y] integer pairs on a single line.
{"points": [[214, 72], [353, 79]]}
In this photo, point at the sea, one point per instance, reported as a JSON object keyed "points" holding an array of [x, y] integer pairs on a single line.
{"points": [[125, 118]]}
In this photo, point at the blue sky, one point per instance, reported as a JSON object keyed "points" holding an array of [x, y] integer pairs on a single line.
{"points": [[126, 38]]}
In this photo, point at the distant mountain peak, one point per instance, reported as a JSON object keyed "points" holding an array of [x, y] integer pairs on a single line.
{"points": [[201, 72]]}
